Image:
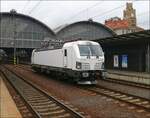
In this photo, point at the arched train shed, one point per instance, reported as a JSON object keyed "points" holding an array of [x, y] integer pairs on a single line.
{"points": [[85, 30], [23, 33], [23, 30]]}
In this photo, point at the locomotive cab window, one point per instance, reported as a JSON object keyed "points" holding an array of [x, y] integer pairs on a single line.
{"points": [[90, 50], [65, 53]]}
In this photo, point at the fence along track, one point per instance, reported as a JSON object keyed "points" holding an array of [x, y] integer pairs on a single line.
{"points": [[43, 105], [130, 99]]}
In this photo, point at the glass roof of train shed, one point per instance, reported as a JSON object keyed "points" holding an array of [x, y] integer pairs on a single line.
{"points": [[142, 36]]}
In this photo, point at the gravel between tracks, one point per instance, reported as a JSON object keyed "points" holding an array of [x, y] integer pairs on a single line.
{"points": [[96, 106], [144, 93]]}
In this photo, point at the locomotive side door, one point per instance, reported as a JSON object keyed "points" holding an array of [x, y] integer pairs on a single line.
{"points": [[65, 58]]}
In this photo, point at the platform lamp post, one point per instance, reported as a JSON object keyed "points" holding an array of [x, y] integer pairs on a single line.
{"points": [[14, 34]]}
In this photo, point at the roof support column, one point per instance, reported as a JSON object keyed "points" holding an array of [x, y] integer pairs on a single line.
{"points": [[140, 64], [148, 58]]}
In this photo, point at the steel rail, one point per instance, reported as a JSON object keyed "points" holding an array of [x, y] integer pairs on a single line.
{"points": [[124, 97], [123, 82], [100, 90], [26, 102], [69, 110]]}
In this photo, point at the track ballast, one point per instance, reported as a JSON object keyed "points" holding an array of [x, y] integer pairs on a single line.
{"points": [[42, 104]]}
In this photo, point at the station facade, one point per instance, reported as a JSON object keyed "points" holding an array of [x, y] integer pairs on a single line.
{"points": [[129, 52]]}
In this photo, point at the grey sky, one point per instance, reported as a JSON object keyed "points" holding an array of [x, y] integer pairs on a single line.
{"points": [[56, 13]]}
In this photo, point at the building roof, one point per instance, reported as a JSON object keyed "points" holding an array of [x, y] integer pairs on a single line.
{"points": [[136, 36], [117, 24], [86, 22], [28, 17], [57, 29], [84, 30]]}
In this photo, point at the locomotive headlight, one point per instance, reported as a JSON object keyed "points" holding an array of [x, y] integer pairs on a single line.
{"points": [[78, 65], [85, 74]]}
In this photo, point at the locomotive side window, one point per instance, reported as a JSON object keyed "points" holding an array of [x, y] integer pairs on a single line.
{"points": [[65, 54]]}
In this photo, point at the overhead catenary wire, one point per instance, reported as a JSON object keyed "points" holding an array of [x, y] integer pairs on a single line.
{"points": [[23, 10], [143, 13], [38, 3], [84, 10], [145, 22], [102, 15], [109, 11], [138, 15]]}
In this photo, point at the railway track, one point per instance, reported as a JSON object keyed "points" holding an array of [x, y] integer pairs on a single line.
{"points": [[23, 108], [137, 101], [24, 67], [144, 86], [117, 95], [42, 104]]}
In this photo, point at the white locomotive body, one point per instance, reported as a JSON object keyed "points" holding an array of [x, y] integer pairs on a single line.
{"points": [[81, 61]]}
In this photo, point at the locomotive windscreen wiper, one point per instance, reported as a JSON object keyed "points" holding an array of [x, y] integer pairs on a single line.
{"points": [[89, 53]]}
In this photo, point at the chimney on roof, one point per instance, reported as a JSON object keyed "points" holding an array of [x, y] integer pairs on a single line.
{"points": [[13, 11], [90, 20]]}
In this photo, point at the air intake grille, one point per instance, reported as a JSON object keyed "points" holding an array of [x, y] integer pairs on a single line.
{"points": [[85, 66], [97, 66]]}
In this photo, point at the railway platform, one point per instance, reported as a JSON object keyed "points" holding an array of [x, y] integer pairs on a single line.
{"points": [[137, 77], [8, 108]]}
